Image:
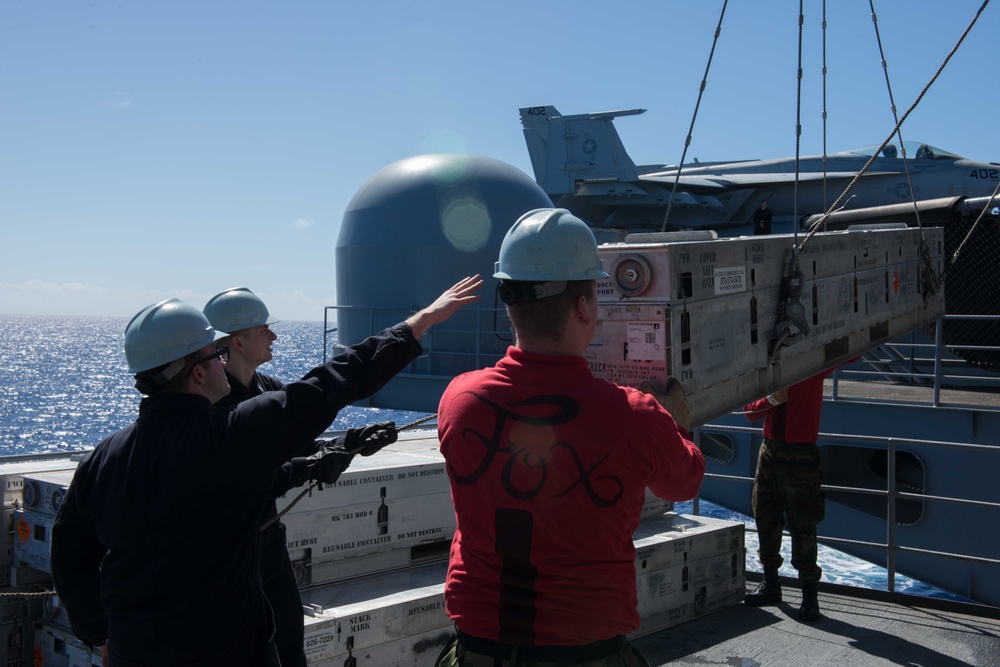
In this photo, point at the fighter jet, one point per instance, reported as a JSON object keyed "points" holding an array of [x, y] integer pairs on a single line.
{"points": [[583, 166]]}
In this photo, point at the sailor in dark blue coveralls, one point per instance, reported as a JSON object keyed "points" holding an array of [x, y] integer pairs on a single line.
{"points": [[762, 219], [155, 547], [243, 315]]}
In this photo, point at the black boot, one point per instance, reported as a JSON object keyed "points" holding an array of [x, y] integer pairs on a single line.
{"points": [[768, 592], [809, 611]]}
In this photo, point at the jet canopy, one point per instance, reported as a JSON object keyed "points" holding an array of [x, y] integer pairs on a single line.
{"points": [[915, 150]]}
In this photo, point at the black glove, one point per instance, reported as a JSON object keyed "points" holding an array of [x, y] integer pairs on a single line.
{"points": [[326, 465], [370, 439]]}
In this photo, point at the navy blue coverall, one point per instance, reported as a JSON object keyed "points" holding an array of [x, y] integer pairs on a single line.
{"points": [[155, 547]]}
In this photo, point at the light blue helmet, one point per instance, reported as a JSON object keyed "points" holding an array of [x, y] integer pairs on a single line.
{"points": [[165, 332], [549, 244], [237, 309]]}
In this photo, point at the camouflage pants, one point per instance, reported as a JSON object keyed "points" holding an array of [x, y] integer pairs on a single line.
{"points": [[455, 655], [786, 488]]}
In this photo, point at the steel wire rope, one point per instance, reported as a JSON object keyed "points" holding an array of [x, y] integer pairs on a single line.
{"points": [[922, 248], [798, 138], [982, 214], [791, 280], [895, 115], [824, 104], [687, 140], [818, 224]]}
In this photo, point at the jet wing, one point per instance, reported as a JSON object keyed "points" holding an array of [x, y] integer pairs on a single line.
{"points": [[725, 181]]}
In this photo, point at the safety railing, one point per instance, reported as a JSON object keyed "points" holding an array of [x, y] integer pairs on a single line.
{"points": [[894, 490], [891, 546], [929, 363], [891, 494], [473, 356]]}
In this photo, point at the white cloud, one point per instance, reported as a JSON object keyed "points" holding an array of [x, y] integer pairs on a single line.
{"points": [[303, 223], [295, 305], [35, 297]]}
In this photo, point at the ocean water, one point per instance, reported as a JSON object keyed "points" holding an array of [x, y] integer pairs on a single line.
{"points": [[64, 383], [64, 386]]}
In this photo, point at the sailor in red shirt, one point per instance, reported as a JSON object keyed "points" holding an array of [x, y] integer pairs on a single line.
{"points": [[787, 486], [548, 468]]}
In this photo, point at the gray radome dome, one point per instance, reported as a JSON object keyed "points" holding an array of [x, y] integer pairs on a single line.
{"points": [[417, 227]]}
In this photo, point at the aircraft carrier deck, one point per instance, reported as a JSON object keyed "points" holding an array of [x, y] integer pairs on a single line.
{"points": [[885, 392], [859, 627]]}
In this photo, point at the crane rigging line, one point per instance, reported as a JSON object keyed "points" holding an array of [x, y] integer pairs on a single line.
{"points": [[798, 137], [972, 229], [819, 223], [895, 115], [824, 105], [687, 140]]}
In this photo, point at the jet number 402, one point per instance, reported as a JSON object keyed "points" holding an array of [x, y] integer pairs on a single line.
{"points": [[984, 173], [536, 111]]}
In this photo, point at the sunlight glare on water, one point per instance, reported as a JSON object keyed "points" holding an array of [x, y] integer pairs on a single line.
{"points": [[64, 386], [64, 383]]}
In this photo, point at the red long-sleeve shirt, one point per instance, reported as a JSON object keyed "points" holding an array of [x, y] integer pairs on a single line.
{"points": [[548, 468], [797, 419]]}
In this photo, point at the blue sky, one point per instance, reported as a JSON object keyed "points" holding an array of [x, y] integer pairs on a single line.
{"points": [[155, 149]]}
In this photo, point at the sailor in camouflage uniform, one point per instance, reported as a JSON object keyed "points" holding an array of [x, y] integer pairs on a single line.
{"points": [[787, 488]]}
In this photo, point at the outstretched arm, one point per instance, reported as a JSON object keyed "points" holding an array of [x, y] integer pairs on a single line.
{"points": [[444, 306], [761, 407]]}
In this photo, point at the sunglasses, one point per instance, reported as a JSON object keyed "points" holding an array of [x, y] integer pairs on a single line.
{"points": [[222, 352]]}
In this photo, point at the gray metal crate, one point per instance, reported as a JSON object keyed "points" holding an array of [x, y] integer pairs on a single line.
{"points": [[707, 312]]}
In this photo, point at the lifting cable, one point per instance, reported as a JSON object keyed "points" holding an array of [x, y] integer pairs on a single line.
{"points": [[895, 115], [687, 140], [819, 223], [798, 136], [791, 312], [267, 524], [824, 107], [931, 279], [982, 214]]}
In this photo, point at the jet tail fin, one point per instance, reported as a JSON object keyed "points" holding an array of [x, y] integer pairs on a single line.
{"points": [[565, 149]]}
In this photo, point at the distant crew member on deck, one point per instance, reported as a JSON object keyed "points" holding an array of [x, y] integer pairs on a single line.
{"points": [[155, 547], [787, 489], [242, 315], [548, 468], [762, 219]]}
